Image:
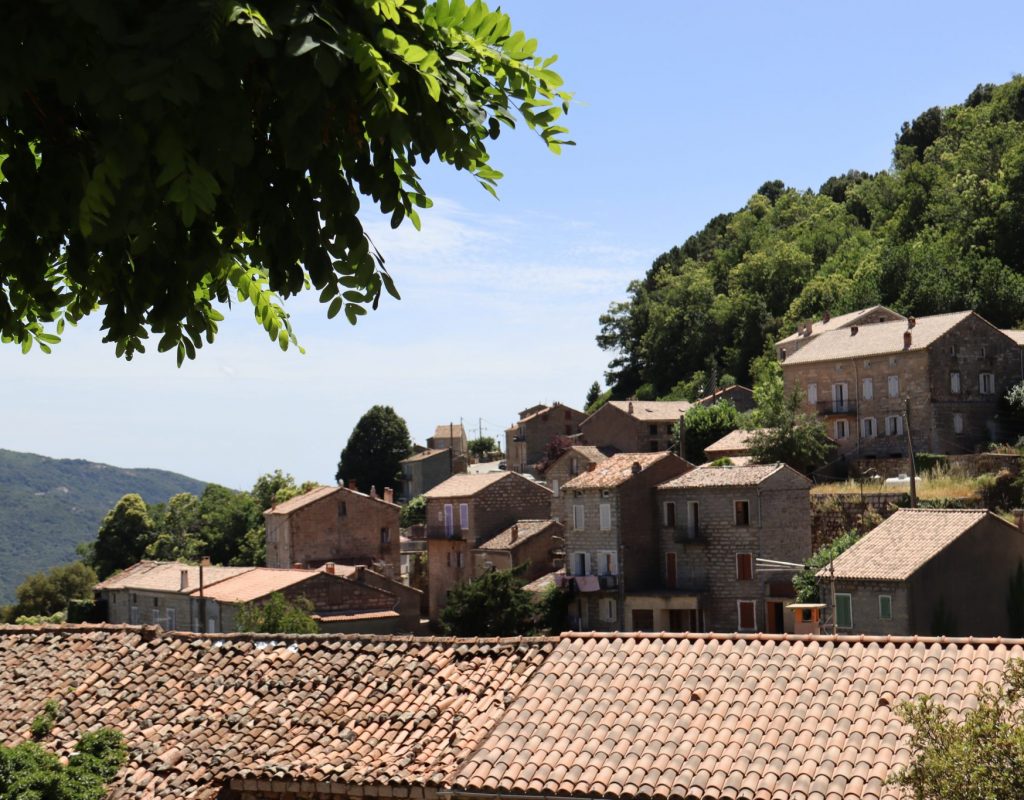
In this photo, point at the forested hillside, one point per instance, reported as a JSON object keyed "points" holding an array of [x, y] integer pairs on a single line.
{"points": [[48, 506], [942, 230]]}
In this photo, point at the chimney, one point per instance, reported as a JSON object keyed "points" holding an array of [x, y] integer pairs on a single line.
{"points": [[911, 322], [636, 468], [373, 491], [807, 329], [352, 485], [515, 532], [389, 495], [630, 406], [591, 466], [296, 565], [826, 316], [853, 330], [184, 579], [907, 337], [359, 574], [329, 567]]}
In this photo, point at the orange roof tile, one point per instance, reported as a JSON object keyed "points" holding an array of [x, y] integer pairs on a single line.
{"points": [[707, 476], [165, 576], [905, 542], [1017, 336], [358, 616], [732, 441], [834, 323], [653, 410], [260, 582], [466, 484], [526, 529], [614, 471], [449, 432], [424, 455], [297, 502]]}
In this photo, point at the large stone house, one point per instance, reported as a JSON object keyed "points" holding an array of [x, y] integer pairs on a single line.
{"points": [[634, 426], [335, 524], [611, 539], [567, 466], [714, 523], [527, 440], [426, 469], [807, 331], [927, 571], [450, 436], [463, 513], [952, 368]]}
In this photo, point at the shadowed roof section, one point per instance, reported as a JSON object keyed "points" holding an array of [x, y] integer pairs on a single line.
{"points": [[707, 476], [165, 576], [841, 321], [616, 470]]}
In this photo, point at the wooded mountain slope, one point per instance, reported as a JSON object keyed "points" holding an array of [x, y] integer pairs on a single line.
{"points": [[942, 230], [47, 506]]}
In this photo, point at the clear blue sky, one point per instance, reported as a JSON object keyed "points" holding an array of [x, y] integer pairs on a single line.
{"points": [[682, 110]]}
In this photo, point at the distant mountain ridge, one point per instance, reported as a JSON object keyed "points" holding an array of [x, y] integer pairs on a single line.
{"points": [[49, 505]]}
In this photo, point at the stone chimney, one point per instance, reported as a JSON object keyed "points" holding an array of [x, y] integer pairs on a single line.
{"points": [[911, 322], [373, 491], [296, 565], [630, 406], [352, 485], [907, 339], [514, 532], [389, 494], [825, 317], [184, 579], [359, 574], [636, 467], [808, 328], [853, 330], [591, 466], [329, 567]]}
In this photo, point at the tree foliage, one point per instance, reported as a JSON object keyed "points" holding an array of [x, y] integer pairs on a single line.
{"points": [[123, 537], [47, 593], [379, 441], [942, 231], [482, 445], [494, 604], [706, 424], [787, 434], [414, 512], [160, 162], [975, 755], [593, 393], [32, 772], [277, 614], [806, 581]]}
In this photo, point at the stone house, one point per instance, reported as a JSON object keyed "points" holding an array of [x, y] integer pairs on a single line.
{"points": [[735, 446], [952, 368], [634, 426], [567, 466], [425, 470], [180, 596], [611, 536], [527, 440], [928, 571], [536, 543], [714, 523], [739, 396], [464, 512], [450, 436], [335, 524], [807, 331]]}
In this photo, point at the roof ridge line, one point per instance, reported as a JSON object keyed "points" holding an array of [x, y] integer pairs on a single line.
{"points": [[789, 637]]}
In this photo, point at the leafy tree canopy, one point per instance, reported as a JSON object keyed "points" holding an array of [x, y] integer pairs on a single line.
{"points": [[806, 581], [379, 441], [493, 604], [29, 771], [482, 445], [123, 537], [277, 615], [593, 393], [47, 593], [414, 512], [160, 162], [705, 425]]}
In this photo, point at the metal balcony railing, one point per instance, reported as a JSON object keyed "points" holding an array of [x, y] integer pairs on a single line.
{"points": [[832, 408]]}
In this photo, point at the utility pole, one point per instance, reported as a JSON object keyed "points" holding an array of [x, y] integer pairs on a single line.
{"points": [[451, 447], [832, 580], [910, 451]]}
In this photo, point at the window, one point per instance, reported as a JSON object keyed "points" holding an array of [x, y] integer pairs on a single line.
{"points": [[671, 571], [156, 602], [605, 516], [156, 616], [342, 509], [461, 559], [652, 430], [554, 488], [868, 429], [987, 383], [574, 466], [841, 429], [744, 567], [670, 514], [211, 625], [577, 517], [812, 393], [655, 447], [580, 563], [741, 510], [884, 606], [449, 520], [894, 425], [894, 386], [952, 349], [958, 423], [606, 609], [385, 536], [693, 518], [464, 516], [133, 615], [867, 389], [169, 623], [840, 396], [607, 562], [844, 611], [747, 612], [954, 382]]}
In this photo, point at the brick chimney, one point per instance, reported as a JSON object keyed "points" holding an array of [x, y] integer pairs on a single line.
{"points": [[373, 491], [389, 494], [352, 485], [329, 567], [630, 406], [911, 322], [907, 339], [184, 579], [636, 467], [591, 466], [359, 574], [515, 532], [808, 328], [853, 330]]}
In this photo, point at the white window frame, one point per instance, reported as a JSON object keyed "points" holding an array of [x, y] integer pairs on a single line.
{"points": [[170, 622], [869, 427], [664, 514], [849, 600], [812, 393], [739, 614], [578, 517], [735, 513], [842, 429], [898, 426], [604, 515], [954, 382], [607, 562], [881, 613], [449, 520], [986, 383], [893, 382], [867, 389], [958, 423], [574, 559], [463, 516]]}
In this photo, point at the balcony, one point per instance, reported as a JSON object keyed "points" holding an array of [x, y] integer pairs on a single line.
{"points": [[608, 581], [690, 535], [836, 408]]}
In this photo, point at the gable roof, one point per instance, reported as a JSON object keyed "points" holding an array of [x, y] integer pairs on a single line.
{"points": [[880, 338], [466, 484], [587, 451], [738, 439], [165, 576], [319, 493], [262, 581], [424, 455], [902, 544], [706, 476], [1017, 336], [726, 393], [835, 323], [616, 470], [526, 529], [721, 717], [449, 432], [652, 410]]}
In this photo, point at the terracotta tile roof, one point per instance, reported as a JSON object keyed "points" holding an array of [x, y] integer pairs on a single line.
{"points": [[614, 471], [356, 616], [260, 582], [467, 484], [543, 583], [540, 411], [725, 392], [721, 717], [834, 323], [165, 576], [423, 456], [197, 711], [587, 451], [906, 541], [707, 476], [295, 503], [1017, 336], [653, 410], [881, 338], [734, 440], [527, 529]]}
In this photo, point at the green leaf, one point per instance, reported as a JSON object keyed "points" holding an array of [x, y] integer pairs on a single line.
{"points": [[299, 44], [334, 308]]}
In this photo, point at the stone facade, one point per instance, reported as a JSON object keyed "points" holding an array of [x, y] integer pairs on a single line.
{"points": [[954, 385], [424, 471], [452, 437], [527, 542], [566, 467], [526, 441], [633, 426], [711, 535], [335, 524]]}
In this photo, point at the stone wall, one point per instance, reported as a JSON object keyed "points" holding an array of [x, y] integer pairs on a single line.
{"points": [[971, 463], [832, 515], [864, 599]]}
